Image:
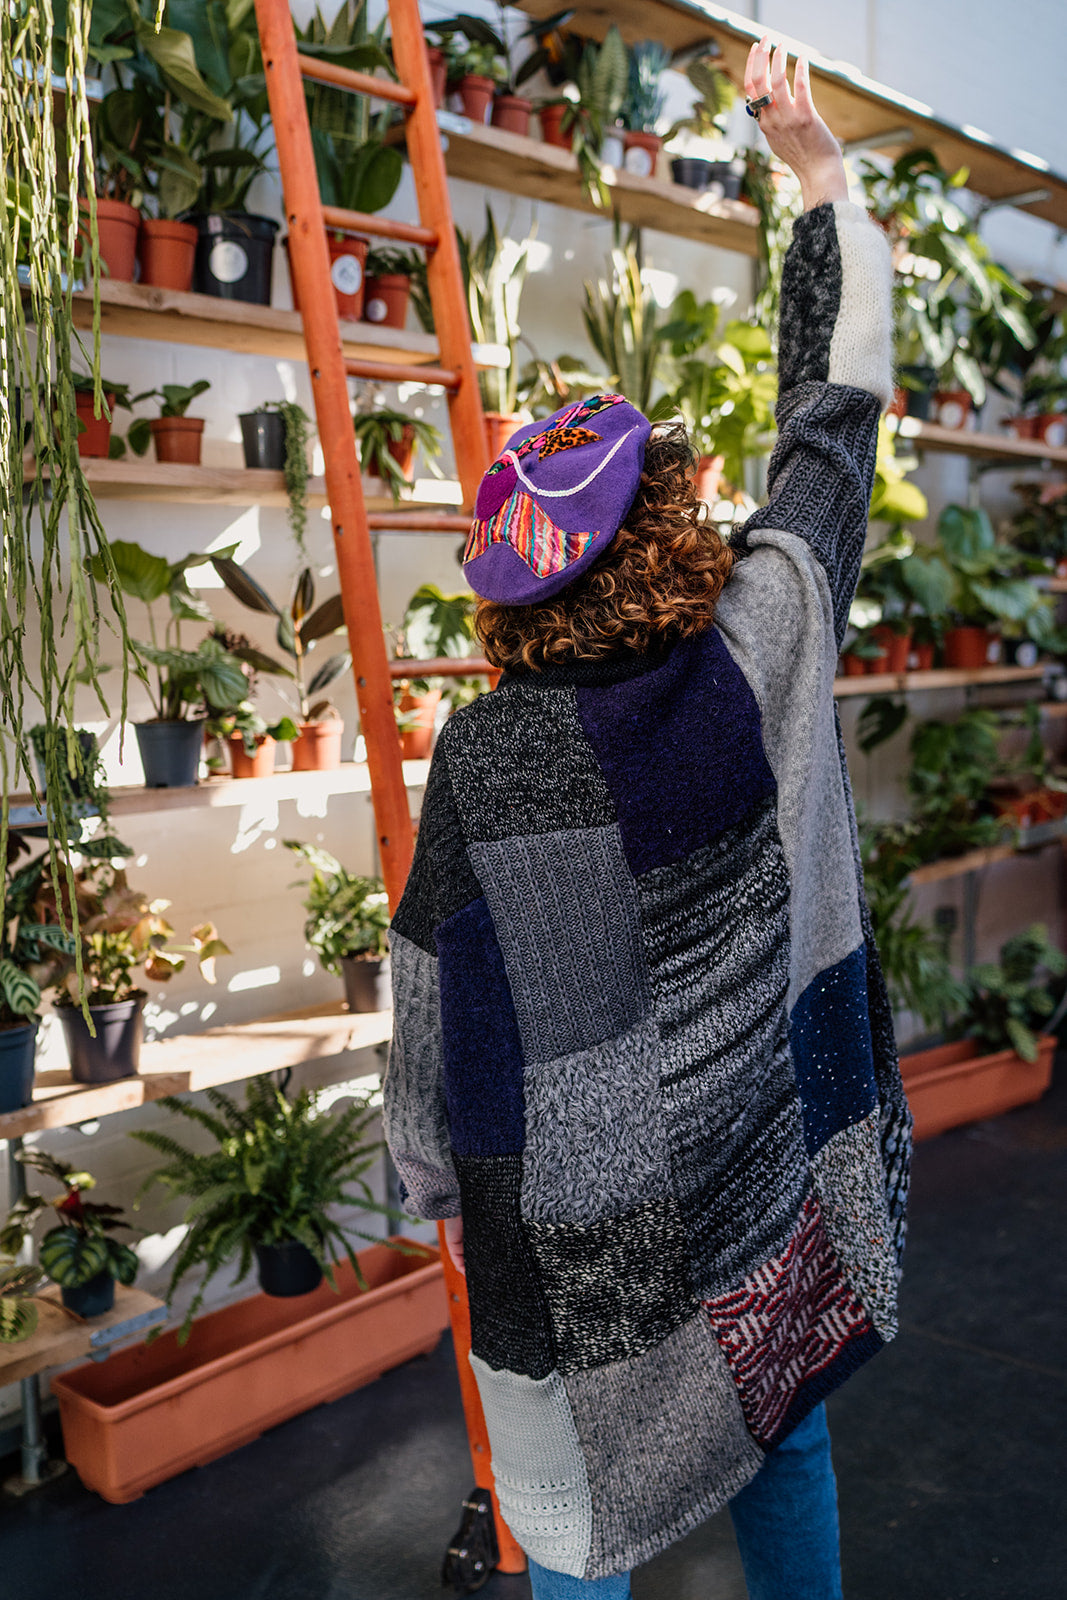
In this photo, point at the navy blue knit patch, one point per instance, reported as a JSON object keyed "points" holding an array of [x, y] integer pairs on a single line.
{"points": [[681, 751], [830, 1037], [509, 1316], [480, 1038]]}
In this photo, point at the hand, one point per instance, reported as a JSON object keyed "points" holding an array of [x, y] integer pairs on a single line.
{"points": [[454, 1239], [794, 129]]}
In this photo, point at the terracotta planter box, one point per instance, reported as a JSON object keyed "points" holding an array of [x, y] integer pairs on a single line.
{"points": [[151, 1412], [953, 1085]]}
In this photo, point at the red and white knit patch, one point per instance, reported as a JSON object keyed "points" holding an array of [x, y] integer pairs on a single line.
{"points": [[789, 1320]]}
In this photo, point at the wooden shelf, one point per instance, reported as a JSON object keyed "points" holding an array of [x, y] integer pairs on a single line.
{"points": [[61, 1338], [938, 678], [137, 311], [860, 112], [501, 160], [1028, 839], [986, 446], [198, 1061]]}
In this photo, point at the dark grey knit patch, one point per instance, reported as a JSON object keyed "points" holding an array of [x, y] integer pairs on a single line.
{"points": [[665, 1443], [616, 1287], [509, 1313], [811, 301], [566, 914], [441, 881], [717, 938], [521, 763], [595, 1145]]}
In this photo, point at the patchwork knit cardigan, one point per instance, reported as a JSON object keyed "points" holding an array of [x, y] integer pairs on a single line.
{"points": [[642, 1039]]}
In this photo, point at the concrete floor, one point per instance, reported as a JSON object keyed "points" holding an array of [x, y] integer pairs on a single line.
{"points": [[948, 1447]]}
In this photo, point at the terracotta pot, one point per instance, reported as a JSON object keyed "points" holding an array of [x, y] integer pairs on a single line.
{"points": [[152, 1411], [318, 748], [438, 76], [550, 118], [117, 226], [494, 676], [1021, 427], [967, 648], [641, 151], [709, 477], [402, 450], [242, 765], [854, 666], [1051, 429], [512, 113], [476, 94], [178, 439], [416, 740], [921, 658], [1050, 806], [895, 646], [1014, 801], [95, 441], [498, 430], [168, 253], [386, 301], [873, 665], [348, 259], [953, 408], [368, 983], [953, 1085], [899, 407]]}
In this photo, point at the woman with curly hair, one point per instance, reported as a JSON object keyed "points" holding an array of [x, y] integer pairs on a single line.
{"points": [[643, 1064]]}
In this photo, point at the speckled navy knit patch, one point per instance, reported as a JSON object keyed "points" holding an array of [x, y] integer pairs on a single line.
{"points": [[509, 1313], [831, 1042], [681, 751], [481, 1050]]}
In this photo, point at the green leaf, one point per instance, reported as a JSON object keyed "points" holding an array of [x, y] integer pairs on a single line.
{"points": [[1023, 1039], [143, 576], [330, 670], [18, 1320], [71, 1258], [879, 720], [21, 994], [327, 618], [173, 54], [243, 586]]}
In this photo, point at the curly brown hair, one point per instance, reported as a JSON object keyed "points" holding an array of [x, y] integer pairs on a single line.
{"points": [[656, 583]]}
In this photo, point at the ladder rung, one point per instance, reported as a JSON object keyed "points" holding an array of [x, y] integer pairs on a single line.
{"points": [[418, 522], [355, 82], [382, 227], [442, 667], [396, 372]]}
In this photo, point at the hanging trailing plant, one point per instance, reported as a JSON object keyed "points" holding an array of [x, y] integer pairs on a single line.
{"points": [[56, 572]]}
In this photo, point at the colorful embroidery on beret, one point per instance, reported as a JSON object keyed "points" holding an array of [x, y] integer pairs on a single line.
{"points": [[531, 533]]}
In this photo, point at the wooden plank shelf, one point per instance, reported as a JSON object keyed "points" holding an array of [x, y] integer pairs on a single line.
{"points": [[1027, 840], [60, 1338], [861, 112], [139, 311], [937, 678], [198, 1061], [985, 446], [500, 160]]}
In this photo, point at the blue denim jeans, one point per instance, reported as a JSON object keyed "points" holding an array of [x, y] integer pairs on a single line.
{"points": [[785, 1520]]}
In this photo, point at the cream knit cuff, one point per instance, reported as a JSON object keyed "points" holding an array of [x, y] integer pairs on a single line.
{"points": [[861, 349]]}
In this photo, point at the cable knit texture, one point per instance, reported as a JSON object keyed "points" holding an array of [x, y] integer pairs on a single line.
{"points": [[662, 1075]]}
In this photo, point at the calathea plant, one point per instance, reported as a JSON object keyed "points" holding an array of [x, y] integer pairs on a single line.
{"points": [[33, 943], [1009, 1002], [82, 1246]]}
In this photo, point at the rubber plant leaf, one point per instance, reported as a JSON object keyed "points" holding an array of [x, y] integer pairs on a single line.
{"points": [[175, 57], [244, 587], [324, 620]]}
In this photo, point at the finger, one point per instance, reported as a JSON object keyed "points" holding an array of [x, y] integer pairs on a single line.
{"points": [[761, 83], [802, 87], [780, 79], [750, 69]]}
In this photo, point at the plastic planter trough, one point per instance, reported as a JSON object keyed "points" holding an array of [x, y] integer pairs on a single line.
{"points": [[952, 1084], [150, 1412]]}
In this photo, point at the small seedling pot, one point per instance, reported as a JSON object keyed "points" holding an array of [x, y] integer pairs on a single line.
{"points": [[117, 226], [17, 1046], [242, 765], [368, 983], [263, 440], [550, 118], [170, 752], [116, 1051], [178, 439], [512, 113], [476, 92], [287, 1269], [318, 749], [386, 302], [417, 738], [234, 252], [92, 1299], [168, 253], [95, 439]]}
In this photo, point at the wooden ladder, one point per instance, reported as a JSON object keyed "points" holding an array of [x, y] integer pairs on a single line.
{"points": [[307, 218]]}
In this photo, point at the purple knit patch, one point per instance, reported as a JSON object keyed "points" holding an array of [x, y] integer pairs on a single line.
{"points": [[480, 1037], [681, 751]]}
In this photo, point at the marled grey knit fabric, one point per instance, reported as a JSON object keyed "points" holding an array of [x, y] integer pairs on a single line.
{"points": [[851, 1191], [416, 1125]]}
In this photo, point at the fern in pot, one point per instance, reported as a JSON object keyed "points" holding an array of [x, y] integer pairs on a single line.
{"points": [[81, 1253], [347, 926]]}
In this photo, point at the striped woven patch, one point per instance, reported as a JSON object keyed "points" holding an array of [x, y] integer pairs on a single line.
{"points": [[531, 533]]}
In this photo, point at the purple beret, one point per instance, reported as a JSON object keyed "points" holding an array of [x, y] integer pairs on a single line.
{"points": [[554, 499]]}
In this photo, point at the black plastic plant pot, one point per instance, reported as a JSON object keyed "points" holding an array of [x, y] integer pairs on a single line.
{"points": [[116, 1051], [17, 1045], [234, 254], [287, 1269], [91, 1299], [692, 172], [170, 753], [918, 384], [368, 983], [263, 438]]}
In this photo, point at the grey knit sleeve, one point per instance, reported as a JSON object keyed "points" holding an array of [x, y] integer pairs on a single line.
{"points": [[413, 1096], [835, 379]]}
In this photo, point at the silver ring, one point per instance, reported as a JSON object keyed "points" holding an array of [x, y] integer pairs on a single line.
{"points": [[754, 107]]}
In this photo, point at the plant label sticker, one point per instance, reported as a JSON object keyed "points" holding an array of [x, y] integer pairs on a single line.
{"points": [[346, 274], [1055, 434], [951, 414], [376, 310], [228, 261]]}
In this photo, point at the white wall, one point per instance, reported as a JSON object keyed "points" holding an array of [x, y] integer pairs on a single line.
{"points": [[228, 863]]}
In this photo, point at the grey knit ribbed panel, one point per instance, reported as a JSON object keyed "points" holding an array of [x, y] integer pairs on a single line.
{"points": [[538, 1466], [565, 910], [717, 937], [665, 1442], [851, 1188], [776, 617], [428, 1192], [413, 1099], [521, 763], [594, 1131]]}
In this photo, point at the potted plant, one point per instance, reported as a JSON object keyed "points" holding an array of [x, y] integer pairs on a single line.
{"points": [[645, 99], [914, 957], [435, 625], [299, 627], [347, 926], [32, 945], [275, 437], [389, 275], [177, 437], [1001, 1057], [723, 379], [494, 273], [119, 184], [250, 739], [990, 585], [475, 58], [80, 1254], [948, 785], [584, 115], [1039, 528], [18, 1311], [700, 137], [95, 439], [362, 178], [388, 441]]}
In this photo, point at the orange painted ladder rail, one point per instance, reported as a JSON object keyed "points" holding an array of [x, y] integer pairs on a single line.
{"points": [[307, 219]]}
